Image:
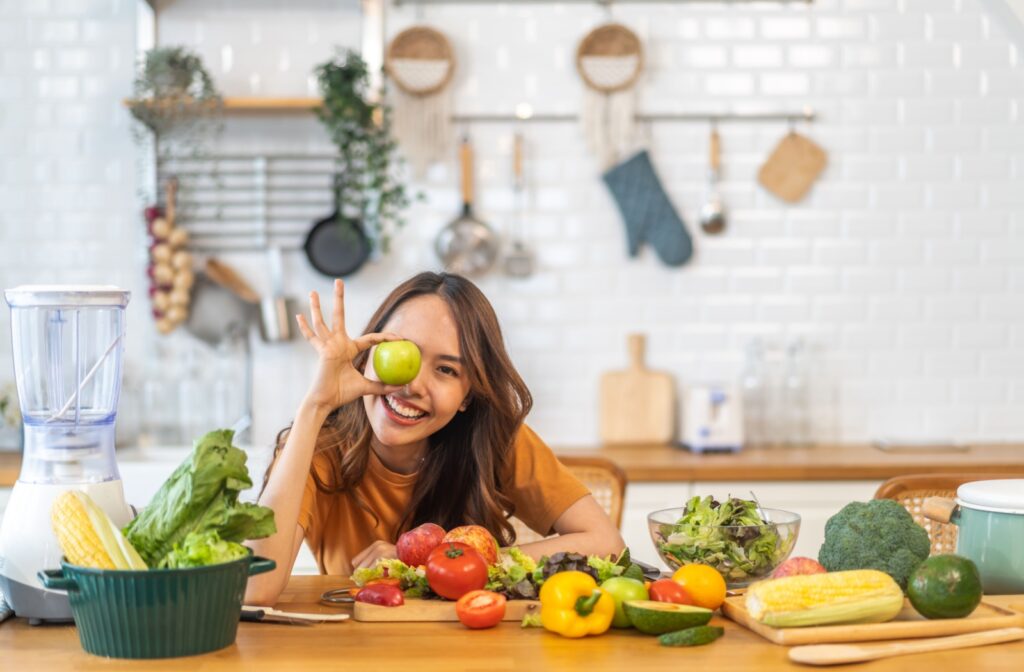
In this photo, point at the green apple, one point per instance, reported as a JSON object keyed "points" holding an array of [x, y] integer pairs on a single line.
{"points": [[623, 589], [396, 362]]}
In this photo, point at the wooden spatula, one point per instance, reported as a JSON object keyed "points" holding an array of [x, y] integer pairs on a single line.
{"points": [[837, 654]]}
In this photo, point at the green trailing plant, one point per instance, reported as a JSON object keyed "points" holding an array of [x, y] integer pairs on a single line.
{"points": [[368, 185]]}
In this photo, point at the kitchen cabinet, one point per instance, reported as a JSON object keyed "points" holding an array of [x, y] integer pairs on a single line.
{"points": [[815, 501]]}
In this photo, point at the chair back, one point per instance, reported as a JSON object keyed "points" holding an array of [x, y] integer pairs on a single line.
{"points": [[912, 490], [605, 480]]}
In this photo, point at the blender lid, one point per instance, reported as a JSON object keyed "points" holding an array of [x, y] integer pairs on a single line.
{"points": [[999, 496], [67, 295]]}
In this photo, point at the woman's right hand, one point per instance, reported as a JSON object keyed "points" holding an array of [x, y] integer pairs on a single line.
{"points": [[337, 382]]}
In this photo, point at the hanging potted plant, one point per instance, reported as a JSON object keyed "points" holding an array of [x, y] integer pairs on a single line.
{"points": [[367, 187], [173, 91]]}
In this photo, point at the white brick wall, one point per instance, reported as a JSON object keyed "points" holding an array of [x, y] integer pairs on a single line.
{"points": [[901, 267]]}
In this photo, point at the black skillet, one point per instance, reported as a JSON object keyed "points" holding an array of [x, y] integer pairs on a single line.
{"points": [[337, 246]]}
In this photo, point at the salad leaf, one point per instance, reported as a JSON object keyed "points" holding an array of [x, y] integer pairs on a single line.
{"points": [[512, 575], [730, 536], [200, 496], [202, 548], [413, 580]]}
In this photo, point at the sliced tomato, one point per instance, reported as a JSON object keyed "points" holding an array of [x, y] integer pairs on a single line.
{"points": [[479, 609], [667, 590]]}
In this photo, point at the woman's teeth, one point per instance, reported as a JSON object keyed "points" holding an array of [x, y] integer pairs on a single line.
{"points": [[401, 409]]}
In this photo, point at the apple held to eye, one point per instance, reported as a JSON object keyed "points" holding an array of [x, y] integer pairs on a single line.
{"points": [[396, 362]]}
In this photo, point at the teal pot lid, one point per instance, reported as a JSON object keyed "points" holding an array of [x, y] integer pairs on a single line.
{"points": [[1000, 496]]}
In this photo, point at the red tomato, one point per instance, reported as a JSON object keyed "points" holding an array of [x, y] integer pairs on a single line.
{"points": [[382, 594], [667, 590], [480, 609], [454, 569]]}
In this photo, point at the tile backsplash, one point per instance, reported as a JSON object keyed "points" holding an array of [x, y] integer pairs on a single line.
{"points": [[902, 269]]}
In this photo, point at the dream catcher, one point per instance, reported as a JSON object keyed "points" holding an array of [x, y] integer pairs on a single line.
{"points": [[610, 59], [420, 61]]}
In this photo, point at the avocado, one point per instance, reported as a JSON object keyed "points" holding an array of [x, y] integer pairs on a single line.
{"points": [[945, 586], [696, 636], [656, 618]]}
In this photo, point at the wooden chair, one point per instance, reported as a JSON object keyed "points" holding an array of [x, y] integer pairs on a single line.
{"points": [[911, 491], [606, 482]]}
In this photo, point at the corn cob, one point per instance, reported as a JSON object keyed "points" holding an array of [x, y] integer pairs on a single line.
{"points": [[855, 596], [87, 535]]}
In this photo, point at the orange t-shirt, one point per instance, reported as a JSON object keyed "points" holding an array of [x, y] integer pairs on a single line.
{"points": [[337, 528]]}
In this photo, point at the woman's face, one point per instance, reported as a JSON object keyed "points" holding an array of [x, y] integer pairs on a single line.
{"points": [[428, 403]]}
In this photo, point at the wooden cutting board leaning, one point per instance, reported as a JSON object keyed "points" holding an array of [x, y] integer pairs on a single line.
{"points": [[637, 405], [908, 624]]}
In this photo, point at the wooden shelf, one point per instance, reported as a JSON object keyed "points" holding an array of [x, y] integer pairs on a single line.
{"points": [[257, 105]]}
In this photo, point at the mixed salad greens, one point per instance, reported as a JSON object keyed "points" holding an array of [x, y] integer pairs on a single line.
{"points": [[730, 536]]}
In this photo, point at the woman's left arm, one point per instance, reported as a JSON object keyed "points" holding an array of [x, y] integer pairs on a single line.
{"points": [[583, 528]]}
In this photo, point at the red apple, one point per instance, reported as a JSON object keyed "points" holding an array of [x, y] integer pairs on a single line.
{"points": [[477, 537], [414, 546], [798, 565]]}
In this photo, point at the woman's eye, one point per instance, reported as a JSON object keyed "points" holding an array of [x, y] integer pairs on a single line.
{"points": [[448, 371]]}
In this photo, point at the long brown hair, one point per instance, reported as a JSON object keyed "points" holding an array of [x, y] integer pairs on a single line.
{"points": [[468, 461]]}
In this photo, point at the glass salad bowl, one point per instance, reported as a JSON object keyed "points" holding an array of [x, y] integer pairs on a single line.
{"points": [[742, 554]]}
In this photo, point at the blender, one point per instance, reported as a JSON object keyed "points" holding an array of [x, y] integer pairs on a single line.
{"points": [[68, 342]]}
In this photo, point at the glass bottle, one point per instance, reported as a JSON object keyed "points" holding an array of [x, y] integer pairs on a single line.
{"points": [[753, 392], [795, 395]]}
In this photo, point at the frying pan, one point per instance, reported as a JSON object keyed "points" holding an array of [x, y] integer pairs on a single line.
{"points": [[337, 245], [467, 246]]}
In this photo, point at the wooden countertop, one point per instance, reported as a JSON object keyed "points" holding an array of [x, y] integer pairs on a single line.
{"points": [[835, 462], [450, 646]]}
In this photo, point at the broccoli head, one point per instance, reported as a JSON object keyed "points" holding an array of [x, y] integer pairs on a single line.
{"points": [[879, 534]]}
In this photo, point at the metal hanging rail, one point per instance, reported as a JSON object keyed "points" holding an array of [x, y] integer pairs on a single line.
{"points": [[806, 114], [603, 3]]}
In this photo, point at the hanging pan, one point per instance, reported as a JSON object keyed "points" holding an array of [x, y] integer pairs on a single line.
{"points": [[337, 246]]}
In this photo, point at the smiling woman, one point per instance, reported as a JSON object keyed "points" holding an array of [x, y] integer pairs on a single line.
{"points": [[364, 461]]}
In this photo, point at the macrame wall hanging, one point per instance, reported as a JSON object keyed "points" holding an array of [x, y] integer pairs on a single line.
{"points": [[420, 61], [610, 59]]}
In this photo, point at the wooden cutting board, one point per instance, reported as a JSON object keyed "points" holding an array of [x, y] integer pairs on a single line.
{"points": [[422, 611], [793, 166], [907, 625], [637, 405]]}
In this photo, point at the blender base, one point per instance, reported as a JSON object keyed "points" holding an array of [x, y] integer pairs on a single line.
{"points": [[45, 606]]}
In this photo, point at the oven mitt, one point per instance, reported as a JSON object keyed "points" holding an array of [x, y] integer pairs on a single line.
{"points": [[647, 212]]}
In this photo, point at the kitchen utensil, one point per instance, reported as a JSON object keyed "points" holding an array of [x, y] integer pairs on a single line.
{"points": [[792, 167], [156, 613], [216, 310], [420, 61], [609, 59], [989, 516], [276, 310], [908, 624], [712, 213], [229, 278], [712, 418], [519, 259], [637, 405], [419, 611], [467, 246], [784, 524], [337, 246], [837, 654], [271, 615], [67, 343]]}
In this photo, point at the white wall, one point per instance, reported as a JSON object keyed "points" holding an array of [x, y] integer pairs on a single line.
{"points": [[903, 267]]}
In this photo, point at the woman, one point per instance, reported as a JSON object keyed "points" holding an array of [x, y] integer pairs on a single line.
{"points": [[363, 461]]}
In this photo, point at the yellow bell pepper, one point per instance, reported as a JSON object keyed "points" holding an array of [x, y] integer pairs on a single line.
{"points": [[572, 605]]}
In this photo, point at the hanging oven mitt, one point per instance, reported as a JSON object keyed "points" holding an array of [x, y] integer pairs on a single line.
{"points": [[647, 211], [793, 166]]}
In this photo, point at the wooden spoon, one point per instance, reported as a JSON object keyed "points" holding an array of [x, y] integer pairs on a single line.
{"points": [[837, 654]]}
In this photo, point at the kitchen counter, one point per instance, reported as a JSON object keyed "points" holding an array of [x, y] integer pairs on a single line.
{"points": [[450, 646], [835, 462]]}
